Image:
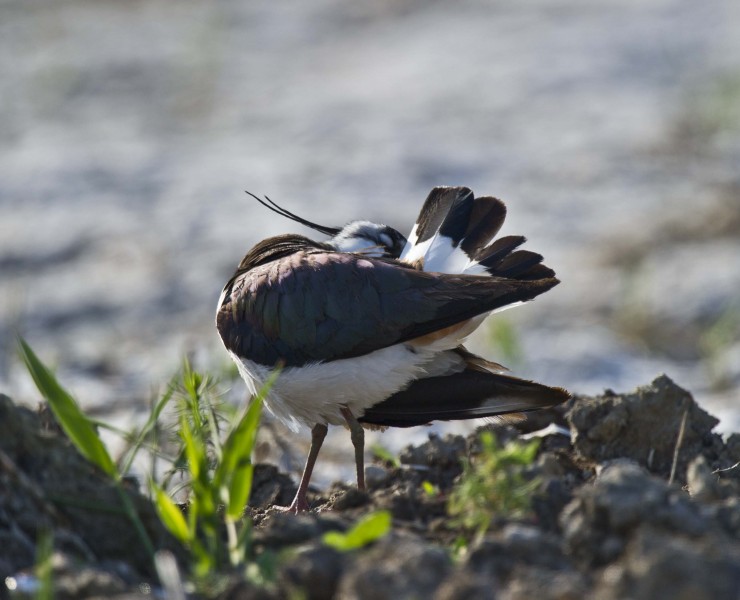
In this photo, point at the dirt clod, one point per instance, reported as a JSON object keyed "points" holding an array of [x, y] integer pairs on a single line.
{"points": [[644, 426], [47, 486], [396, 568]]}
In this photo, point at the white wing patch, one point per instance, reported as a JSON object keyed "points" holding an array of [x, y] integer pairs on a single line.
{"points": [[410, 244], [439, 255], [443, 257]]}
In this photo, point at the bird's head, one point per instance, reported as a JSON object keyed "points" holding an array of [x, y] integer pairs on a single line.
{"points": [[371, 239]]}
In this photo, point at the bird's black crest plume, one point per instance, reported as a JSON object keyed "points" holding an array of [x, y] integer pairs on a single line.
{"points": [[276, 208]]}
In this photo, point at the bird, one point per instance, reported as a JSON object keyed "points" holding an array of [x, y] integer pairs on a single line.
{"points": [[367, 327]]}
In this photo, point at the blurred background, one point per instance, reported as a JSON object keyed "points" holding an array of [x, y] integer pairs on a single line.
{"points": [[130, 130]]}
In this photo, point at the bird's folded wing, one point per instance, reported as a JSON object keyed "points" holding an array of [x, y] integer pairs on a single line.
{"points": [[323, 306], [466, 395]]}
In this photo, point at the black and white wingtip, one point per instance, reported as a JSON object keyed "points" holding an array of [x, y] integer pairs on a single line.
{"points": [[455, 233]]}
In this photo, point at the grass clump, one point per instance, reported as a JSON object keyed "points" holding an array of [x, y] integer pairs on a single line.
{"points": [[212, 456], [82, 432], [219, 470], [382, 453], [493, 484]]}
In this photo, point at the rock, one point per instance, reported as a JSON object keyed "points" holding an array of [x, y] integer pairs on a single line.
{"points": [[553, 495], [351, 498], [549, 465], [70, 580], [529, 583], [315, 571], [733, 447], [463, 585], [644, 426], [48, 486], [727, 515], [86, 582], [599, 521], [270, 487], [515, 546], [396, 567], [408, 502], [702, 484], [662, 566], [280, 529], [376, 476], [441, 456], [240, 589]]}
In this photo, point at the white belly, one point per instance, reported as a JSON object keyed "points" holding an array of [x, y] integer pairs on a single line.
{"points": [[315, 393]]}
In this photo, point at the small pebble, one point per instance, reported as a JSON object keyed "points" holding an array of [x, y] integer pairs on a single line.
{"points": [[375, 475]]}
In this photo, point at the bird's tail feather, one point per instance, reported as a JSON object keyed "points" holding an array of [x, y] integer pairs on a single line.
{"points": [[455, 233], [441, 225]]}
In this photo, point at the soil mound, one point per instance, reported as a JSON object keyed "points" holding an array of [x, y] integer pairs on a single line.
{"points": [[607, 521]]}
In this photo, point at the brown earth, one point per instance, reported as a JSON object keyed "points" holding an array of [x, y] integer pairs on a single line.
{"points": [[606, 521]]}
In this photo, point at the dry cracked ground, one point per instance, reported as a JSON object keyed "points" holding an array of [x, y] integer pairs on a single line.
{"points": [[606, 521]]}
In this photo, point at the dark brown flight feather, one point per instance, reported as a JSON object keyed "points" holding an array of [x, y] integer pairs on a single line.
{"points": [[469, 394]]}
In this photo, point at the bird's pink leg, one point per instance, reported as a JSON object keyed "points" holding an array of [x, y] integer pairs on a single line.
{"points": [[300, 503], [357, 434]]}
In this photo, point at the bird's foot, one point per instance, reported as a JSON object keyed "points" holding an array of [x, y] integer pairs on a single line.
{"points": [[299, 505]]}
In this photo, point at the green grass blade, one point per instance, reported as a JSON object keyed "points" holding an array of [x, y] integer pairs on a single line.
{"points": [[171, 515], [239, 490], [368, 529], [43, 568], [133, 516], [385, 455], [237, 448], [213, 428], [194, 450], [76, 425], [493, 483], [503, 336], [237, 453], [147, 428]]}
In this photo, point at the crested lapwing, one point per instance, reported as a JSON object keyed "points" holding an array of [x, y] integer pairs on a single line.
{"points": [[368, 327]]}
